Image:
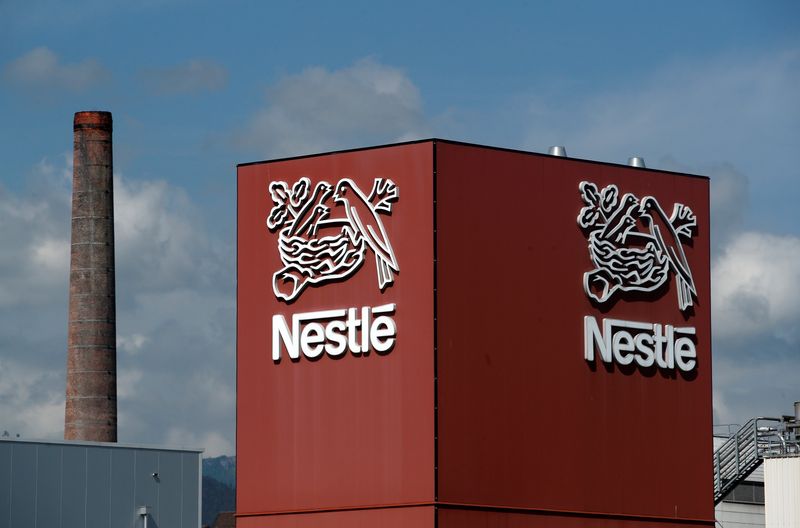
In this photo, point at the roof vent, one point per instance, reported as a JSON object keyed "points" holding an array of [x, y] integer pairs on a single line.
{"points": [[558, 150], [636, 161]]}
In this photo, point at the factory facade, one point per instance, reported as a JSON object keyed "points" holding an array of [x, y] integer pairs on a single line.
{"points": [[98, 484], [444, 334]]}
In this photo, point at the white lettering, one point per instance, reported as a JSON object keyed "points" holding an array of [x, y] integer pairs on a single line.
{"points": [[647, 344], [352, 329], [312, 334], [685, 353], [382, 333], [622, 342], [648, 356], [592, 336], [280, 331], [334, 332], [365, 330]]}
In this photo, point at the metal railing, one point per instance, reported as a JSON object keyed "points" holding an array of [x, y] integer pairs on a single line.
{"points": [[742, 453], [756, 440]]}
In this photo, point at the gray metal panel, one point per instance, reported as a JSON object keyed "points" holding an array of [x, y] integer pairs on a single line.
{"points": [[23, 486], [48, 486], [5, 483], [782, 489], [123, 509], [733, 515], [169, 489], [91, 485], [73, 486], [190, 502], [98, 487], [146, 493]]}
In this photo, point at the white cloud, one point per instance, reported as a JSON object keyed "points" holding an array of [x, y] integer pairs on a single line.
{"points": [[128, 382], [39, 393], [175, 314], [318, 109], [131, 344], [160, 243], [214, 443], [40, 68], [52, 255], [756, 324], [729, 201], [730, 197], [193, 76], [34, 234], [746, 387], [756, 287], [742, 110]]}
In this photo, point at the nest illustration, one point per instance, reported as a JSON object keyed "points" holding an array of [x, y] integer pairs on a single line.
{"points": [[631, 269], [314, 260], [624, 258], [312, 248], [316, 249], [634, 245]]}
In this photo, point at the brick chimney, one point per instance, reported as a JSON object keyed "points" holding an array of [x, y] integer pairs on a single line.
{"points": [[91, 410]]}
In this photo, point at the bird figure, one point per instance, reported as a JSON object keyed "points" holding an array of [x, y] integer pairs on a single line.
{"points": [[309, 207], [621, 221], [311, 223], [365, 223], [668, 241]]}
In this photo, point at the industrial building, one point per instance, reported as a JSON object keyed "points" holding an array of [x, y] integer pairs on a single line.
{"points": [[98, 485], [743, 506], [432, 334], [436, 333], [757, 473], [445, 334]]}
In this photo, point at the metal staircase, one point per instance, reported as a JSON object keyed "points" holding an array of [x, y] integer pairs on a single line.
{"points": [[742, 453]]}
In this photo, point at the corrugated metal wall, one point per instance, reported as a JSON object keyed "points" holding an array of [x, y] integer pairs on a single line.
{"points": [[737, 515], [75, 485], [782, 492]]}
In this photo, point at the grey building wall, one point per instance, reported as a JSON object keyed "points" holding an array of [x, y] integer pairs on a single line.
{"points": [[739, 515], [742, 510], [94, 485]]}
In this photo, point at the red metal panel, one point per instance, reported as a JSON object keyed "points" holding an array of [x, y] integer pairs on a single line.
{"points": [[524, 420], [529, 433], [337, 432], [417, 517], [459, 518]]}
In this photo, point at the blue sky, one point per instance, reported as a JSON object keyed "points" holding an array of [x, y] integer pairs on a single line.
{"points": [[196, 87]]}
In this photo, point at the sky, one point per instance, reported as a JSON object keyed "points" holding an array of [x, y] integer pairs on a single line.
{"points": [[196, 87]]}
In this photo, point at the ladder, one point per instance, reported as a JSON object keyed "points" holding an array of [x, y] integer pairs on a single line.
{"points": [[740, 455]]}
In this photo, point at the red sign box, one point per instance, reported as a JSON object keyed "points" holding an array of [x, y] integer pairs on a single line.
{"points": [[538, 335]]}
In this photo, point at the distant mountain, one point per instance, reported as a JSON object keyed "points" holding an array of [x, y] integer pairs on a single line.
{"points": [[221, 468], [219, 487], [217, 497]]}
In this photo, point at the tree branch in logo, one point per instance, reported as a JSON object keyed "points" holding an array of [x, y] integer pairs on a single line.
{"points": [[634, 245], [316, 248]]}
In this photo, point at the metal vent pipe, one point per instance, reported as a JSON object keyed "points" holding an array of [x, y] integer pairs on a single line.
{"points": [[557, 150], [636, 161], [91, 406]]}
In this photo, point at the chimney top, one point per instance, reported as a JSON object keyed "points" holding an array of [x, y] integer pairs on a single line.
{"points": [[93, 119]]}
